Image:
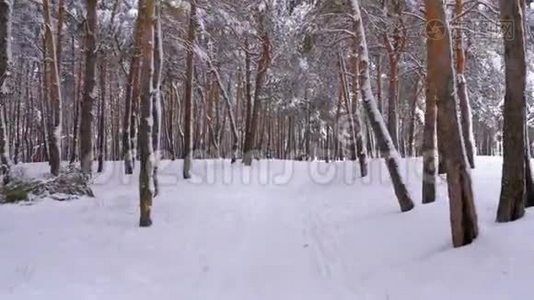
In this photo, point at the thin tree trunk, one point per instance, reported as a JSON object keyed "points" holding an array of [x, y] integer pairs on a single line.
{"points": [[59, 33], [393, 96], [131, 101], [465, 106], [263, 65], [145, 42], [101, 119], [5, 59], [360, 149], [156, 98], [188, 134], [54, 93], [76, 100], [233, 126], [90, 89], [429, 147], [346, 97]]}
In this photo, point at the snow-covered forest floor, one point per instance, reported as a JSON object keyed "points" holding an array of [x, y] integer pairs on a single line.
{"points": [[281, 230]]}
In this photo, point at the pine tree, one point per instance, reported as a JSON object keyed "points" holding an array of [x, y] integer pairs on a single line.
{"points": [[513, 192], [5, 60], [53, 90], [90, 89], [442, 86], [147, 13], [188, 134]]}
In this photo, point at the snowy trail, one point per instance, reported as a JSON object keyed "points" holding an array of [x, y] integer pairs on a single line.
{"points": [[280, 230]]}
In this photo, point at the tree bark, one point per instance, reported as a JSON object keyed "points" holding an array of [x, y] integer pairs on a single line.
{"points": [[54, 93], [360, 149], [5, 60], [101, 117], [145, 38], [156, 97], [430, 153], [465, 106], [513, 192], [263, 65], [233, 126], [188, 133], [76, 100], [463, 215], [389, 152], [90, 89], [131, 101]]}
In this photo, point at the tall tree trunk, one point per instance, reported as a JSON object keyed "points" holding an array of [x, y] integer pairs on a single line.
{"points": [[90, 89], [393, 98], [411, 150], [429, 147], [76, 99], [59, 33], [529, 182], [5, 60], [156, 95], [130, 107], [389, 152], [394, 45], [463, 215], [513, 192], [101, 116], [248, 91], [54, 93], [263, 65], [145, 39], [233, 126], [465, 106], [188, 134], [346, 97], [360, 149]]}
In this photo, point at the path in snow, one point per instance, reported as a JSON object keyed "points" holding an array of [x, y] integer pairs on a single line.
{"points": [[281, 230]]}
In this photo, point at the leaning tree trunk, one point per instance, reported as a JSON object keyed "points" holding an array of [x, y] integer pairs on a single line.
{"points": [[145, 39], [387, 148], [465, 106], [54, 92], [188, 134], [5, 58], [513, 193], [463, 215]]}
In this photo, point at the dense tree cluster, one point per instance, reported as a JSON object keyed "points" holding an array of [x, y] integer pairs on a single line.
{"points": [[145, 80]]}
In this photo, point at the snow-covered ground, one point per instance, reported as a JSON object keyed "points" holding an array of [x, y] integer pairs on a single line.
{"points": [[281, 230]]}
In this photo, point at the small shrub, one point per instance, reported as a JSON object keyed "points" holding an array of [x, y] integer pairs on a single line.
{"points": [[69, 185]]}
